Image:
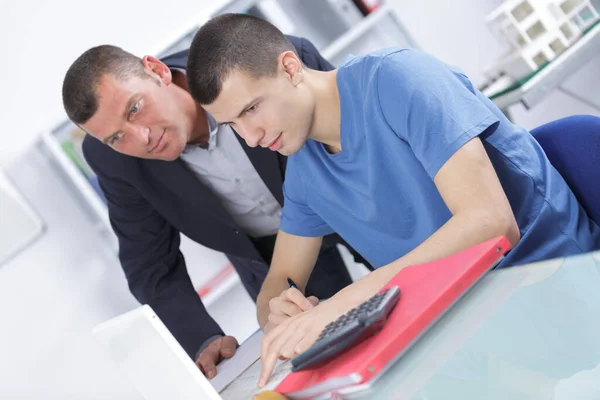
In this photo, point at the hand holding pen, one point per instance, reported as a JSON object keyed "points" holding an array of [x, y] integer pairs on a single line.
{"points": [[289, 303], [292, 284]]}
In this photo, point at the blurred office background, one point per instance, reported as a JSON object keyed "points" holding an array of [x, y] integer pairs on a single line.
{"points": [[59, 274]]}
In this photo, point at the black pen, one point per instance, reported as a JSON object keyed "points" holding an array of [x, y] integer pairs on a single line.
{"points": [[292, 284]]}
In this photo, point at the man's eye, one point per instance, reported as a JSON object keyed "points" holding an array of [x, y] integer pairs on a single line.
{"points": [[253, 108], [115, 139], [136, 108]]}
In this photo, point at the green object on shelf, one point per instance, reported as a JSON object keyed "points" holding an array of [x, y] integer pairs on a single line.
{"points": [[69, 149], [527, 77]]}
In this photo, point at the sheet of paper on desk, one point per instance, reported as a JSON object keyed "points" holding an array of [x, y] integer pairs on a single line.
{"points": [[246, 355], [244, 387]]}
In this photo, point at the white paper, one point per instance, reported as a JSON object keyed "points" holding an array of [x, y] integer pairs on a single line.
{"points": [[246, 355], [245, 386]]}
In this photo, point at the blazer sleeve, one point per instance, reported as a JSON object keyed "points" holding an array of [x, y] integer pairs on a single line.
{"points": [[309, 54], [149, 253]]}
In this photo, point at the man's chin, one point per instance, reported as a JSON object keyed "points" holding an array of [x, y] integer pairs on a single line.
{"points": [[165, 155], [289, 150], [171, 154], [169, 158]]}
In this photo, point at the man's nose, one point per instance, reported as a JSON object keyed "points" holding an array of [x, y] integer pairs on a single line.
{"points": [[141, 133], [253, 134]]}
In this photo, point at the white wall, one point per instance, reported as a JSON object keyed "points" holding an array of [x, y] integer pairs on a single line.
{"points": [[454, 31], [40, 39]]}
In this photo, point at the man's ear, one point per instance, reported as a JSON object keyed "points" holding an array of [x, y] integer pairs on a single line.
{"points": [[158, 69], [291, 65]]}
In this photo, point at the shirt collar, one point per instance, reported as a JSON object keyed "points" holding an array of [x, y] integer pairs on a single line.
{"points": [[213, 128]]}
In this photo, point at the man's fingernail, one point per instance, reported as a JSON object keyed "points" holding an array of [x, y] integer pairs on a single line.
{"points": [[211, 374], [261, 382]]}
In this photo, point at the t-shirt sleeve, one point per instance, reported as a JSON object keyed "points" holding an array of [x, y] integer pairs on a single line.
{"points": [[297, 217], [430, 106]]}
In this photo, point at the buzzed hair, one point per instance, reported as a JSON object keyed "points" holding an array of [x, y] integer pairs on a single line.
{"points": [[79, 95], [232, 42]]}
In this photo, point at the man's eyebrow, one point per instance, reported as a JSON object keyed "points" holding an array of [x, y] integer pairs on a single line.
{"points": [[246, 107], [124, 116]]}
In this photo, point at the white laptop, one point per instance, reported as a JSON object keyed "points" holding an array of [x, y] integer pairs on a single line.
{"points": [[153, 360]]}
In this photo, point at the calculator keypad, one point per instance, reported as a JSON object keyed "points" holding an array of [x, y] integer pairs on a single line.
{"points": [[355, 314], [359, 323]]}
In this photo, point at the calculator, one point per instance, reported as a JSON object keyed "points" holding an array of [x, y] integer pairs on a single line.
{"points": [[352, 327]]}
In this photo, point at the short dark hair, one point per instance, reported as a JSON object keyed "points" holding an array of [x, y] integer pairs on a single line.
{"points": [[83, 76], [229, 42]]}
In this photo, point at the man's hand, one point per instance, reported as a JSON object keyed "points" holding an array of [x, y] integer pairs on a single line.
{"points": [[218, 350], [294, 258], [289, 303], [296, 334]]}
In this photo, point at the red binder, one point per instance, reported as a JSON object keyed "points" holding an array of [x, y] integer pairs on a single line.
{"points": [[427, 292]]}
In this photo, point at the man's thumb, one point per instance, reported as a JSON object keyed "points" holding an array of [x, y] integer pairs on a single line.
{"points": [[228, 346], [313, 300]]}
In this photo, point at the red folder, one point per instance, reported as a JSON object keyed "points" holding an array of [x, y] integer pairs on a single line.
{"points": [[427, 292]]}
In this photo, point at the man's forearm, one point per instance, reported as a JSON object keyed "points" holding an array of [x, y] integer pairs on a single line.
{"points": [[459, 233], [294, 257]]}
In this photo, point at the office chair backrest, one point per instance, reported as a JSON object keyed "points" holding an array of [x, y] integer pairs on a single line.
{"points": [[572, 145]]}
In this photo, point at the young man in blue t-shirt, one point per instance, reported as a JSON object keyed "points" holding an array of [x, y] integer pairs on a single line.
{"points": [[396, 151]]}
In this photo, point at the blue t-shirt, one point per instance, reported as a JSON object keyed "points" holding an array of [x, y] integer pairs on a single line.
{"points": [[403, 115]]}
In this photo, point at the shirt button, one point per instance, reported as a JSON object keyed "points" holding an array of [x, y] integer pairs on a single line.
{"points": [[236, 231], [262, 203], [237, 180]]}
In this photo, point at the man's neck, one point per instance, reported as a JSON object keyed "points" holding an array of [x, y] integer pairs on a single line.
{"points": [[200, 132], [326, 118]]}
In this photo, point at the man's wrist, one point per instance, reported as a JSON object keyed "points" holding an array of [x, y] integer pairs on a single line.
{"points": [[263, 308], [206, 343], [360, 291], [263, 318]]}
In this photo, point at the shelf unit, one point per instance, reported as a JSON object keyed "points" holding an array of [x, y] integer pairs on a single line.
{"points": [[334, 26], [389, 32]]}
